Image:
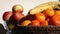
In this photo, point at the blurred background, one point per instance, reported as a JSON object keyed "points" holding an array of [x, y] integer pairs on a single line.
{"points": [[6, 5]]}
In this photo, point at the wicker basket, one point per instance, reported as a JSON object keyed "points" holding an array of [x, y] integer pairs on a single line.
{"points": [[36, 30]]}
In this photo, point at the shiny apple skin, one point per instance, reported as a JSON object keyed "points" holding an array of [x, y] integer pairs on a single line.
{"points": [[17, 16], [7, 15], [17, 8]]}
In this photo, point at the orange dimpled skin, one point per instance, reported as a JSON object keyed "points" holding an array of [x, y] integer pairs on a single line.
{"points": [[35, 23], [56, 20], [40, 17], [44, 23], [49, 12], [57, 12]]}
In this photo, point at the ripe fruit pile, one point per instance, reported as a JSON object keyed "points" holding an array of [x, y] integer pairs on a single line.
{"points": [[47, 17]]}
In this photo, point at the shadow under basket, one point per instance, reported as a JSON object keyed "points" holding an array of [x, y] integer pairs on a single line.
{"points": [[36, 30]]}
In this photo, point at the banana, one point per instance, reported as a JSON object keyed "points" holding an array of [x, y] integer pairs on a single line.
{"points": [[43, 6]]}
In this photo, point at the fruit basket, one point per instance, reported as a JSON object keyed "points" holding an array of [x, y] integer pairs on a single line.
{"points": [[36, 30], [43, 19], [32, 29]]}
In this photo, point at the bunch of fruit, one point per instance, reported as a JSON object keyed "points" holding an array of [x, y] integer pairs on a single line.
{"points": [[42, 15], [16, 13], [47, 17], [13, 16]]}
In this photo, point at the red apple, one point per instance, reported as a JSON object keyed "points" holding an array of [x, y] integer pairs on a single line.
{"points": [[17, 16], [35, 23], [7, 15], [17, 8]]}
